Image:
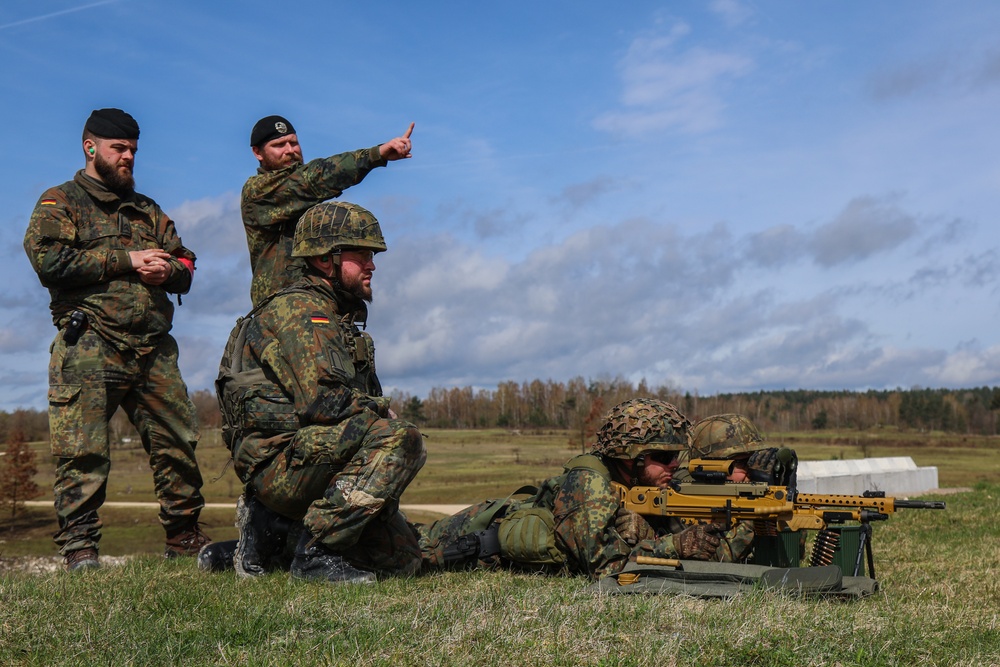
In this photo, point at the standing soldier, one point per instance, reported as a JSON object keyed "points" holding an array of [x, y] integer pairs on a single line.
{"points": [[284, 188], [312, 437], [109, 257]]}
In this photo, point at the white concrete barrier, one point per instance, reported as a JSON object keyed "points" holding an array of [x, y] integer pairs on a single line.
{"points": [[896, 475]]}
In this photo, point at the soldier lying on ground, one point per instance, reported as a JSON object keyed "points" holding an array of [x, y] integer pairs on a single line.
{"points": [[573, 523]]}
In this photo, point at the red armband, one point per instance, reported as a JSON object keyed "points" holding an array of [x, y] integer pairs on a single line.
{"points": [[189, 263]]}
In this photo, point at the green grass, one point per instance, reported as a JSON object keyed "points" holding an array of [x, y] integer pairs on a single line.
{"points": [[463, 467], [939, 605]]}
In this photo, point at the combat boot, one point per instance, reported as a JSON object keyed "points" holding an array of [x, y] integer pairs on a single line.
{"points": [[82, 559], [217, 556], [186, 542], [314, 561], [263, 534]]}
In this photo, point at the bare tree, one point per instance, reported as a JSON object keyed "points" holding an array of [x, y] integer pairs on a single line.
{"points": [[17, 473]]}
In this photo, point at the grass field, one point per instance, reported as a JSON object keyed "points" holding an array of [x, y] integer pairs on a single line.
{"points": [[939, 602], [939, 605], [463, 467]]}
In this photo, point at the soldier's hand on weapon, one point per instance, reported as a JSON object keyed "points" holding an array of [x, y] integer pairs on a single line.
{"points": [[761, 465], [736, 543], [632, 528], [698, 542], [398, 148], [772, 466]]}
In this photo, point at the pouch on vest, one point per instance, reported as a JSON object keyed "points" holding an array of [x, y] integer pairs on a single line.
{"points": [[527, 532], [262, 407], [528, 536]]}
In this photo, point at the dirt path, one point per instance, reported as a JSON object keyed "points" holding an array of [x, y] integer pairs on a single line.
{"points": [[441, 509]]}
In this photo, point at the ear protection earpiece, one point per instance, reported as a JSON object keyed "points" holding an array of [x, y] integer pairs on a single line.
{"points": [[91, 151]]}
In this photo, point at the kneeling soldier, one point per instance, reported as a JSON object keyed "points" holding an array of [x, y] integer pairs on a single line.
{"points": [[312, 437]]}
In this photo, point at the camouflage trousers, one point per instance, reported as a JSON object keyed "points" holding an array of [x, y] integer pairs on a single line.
{"points": [[344, 483], [88, 382]]}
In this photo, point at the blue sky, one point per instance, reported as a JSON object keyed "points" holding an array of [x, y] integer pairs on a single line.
{"points": [[716, 196]]}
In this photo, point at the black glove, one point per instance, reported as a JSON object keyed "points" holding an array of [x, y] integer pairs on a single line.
{"points": [[773, 466]]}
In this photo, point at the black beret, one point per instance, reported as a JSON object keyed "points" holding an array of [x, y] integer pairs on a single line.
{"points": [[270, 127], [112, 124]]}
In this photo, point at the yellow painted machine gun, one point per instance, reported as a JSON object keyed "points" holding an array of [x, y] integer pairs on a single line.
{"points": [[771, 508]]}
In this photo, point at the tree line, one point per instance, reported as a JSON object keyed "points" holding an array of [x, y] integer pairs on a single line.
{"points": [[578, 402], [579, 405]]}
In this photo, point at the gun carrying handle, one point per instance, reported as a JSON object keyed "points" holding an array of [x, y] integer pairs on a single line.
{"points": [[650, 560]]}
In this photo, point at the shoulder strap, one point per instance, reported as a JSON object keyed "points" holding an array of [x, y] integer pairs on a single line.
{"points": [[483, 520], [236, 360], [588, 462]]}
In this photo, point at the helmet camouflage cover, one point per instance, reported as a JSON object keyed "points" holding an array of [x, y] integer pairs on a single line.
{"points": [[642, 425], [336, 225], [725, 436]]}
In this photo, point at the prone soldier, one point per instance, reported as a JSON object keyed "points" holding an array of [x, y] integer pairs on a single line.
{"points": [[573, 522]]}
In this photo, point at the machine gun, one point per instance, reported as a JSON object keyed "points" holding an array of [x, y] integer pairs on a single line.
{"points": [[770, 508]]}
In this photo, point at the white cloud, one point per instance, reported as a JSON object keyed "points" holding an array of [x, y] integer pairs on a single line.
{"points": [[732, 12], [645, 299], [666, 88]]}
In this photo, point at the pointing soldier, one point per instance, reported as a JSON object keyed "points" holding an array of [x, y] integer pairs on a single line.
{"points": [[284, 187]]}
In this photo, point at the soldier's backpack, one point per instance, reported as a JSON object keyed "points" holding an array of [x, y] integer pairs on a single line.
{"points": [[247, 399]]}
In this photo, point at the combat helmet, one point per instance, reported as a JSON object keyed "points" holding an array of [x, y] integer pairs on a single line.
{"points": [[333, 226], [725, 436], [642, 425]]}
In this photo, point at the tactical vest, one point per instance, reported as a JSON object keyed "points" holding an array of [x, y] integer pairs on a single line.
{"points": [[527, 530], [251, 402]]}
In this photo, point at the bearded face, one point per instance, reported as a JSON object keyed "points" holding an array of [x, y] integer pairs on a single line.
{"points": [[274, 163], [117, 175], [279, 153], [357, 285], [356, 268]]}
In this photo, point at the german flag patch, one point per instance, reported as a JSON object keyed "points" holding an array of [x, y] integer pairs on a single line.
{"points": [[320, 319], [48, 202]]}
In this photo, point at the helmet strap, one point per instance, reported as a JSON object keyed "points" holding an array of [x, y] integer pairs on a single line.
{"points": [[638, 465], [328, 262], [335, 257]]}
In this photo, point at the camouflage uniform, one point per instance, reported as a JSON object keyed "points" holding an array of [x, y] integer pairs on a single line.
{"points": [[78, 241], [273, 201], [584, 507], [734, 437], [318, 443]]}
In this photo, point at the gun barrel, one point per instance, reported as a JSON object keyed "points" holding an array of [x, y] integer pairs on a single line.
{"points": [[920, 504]]}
